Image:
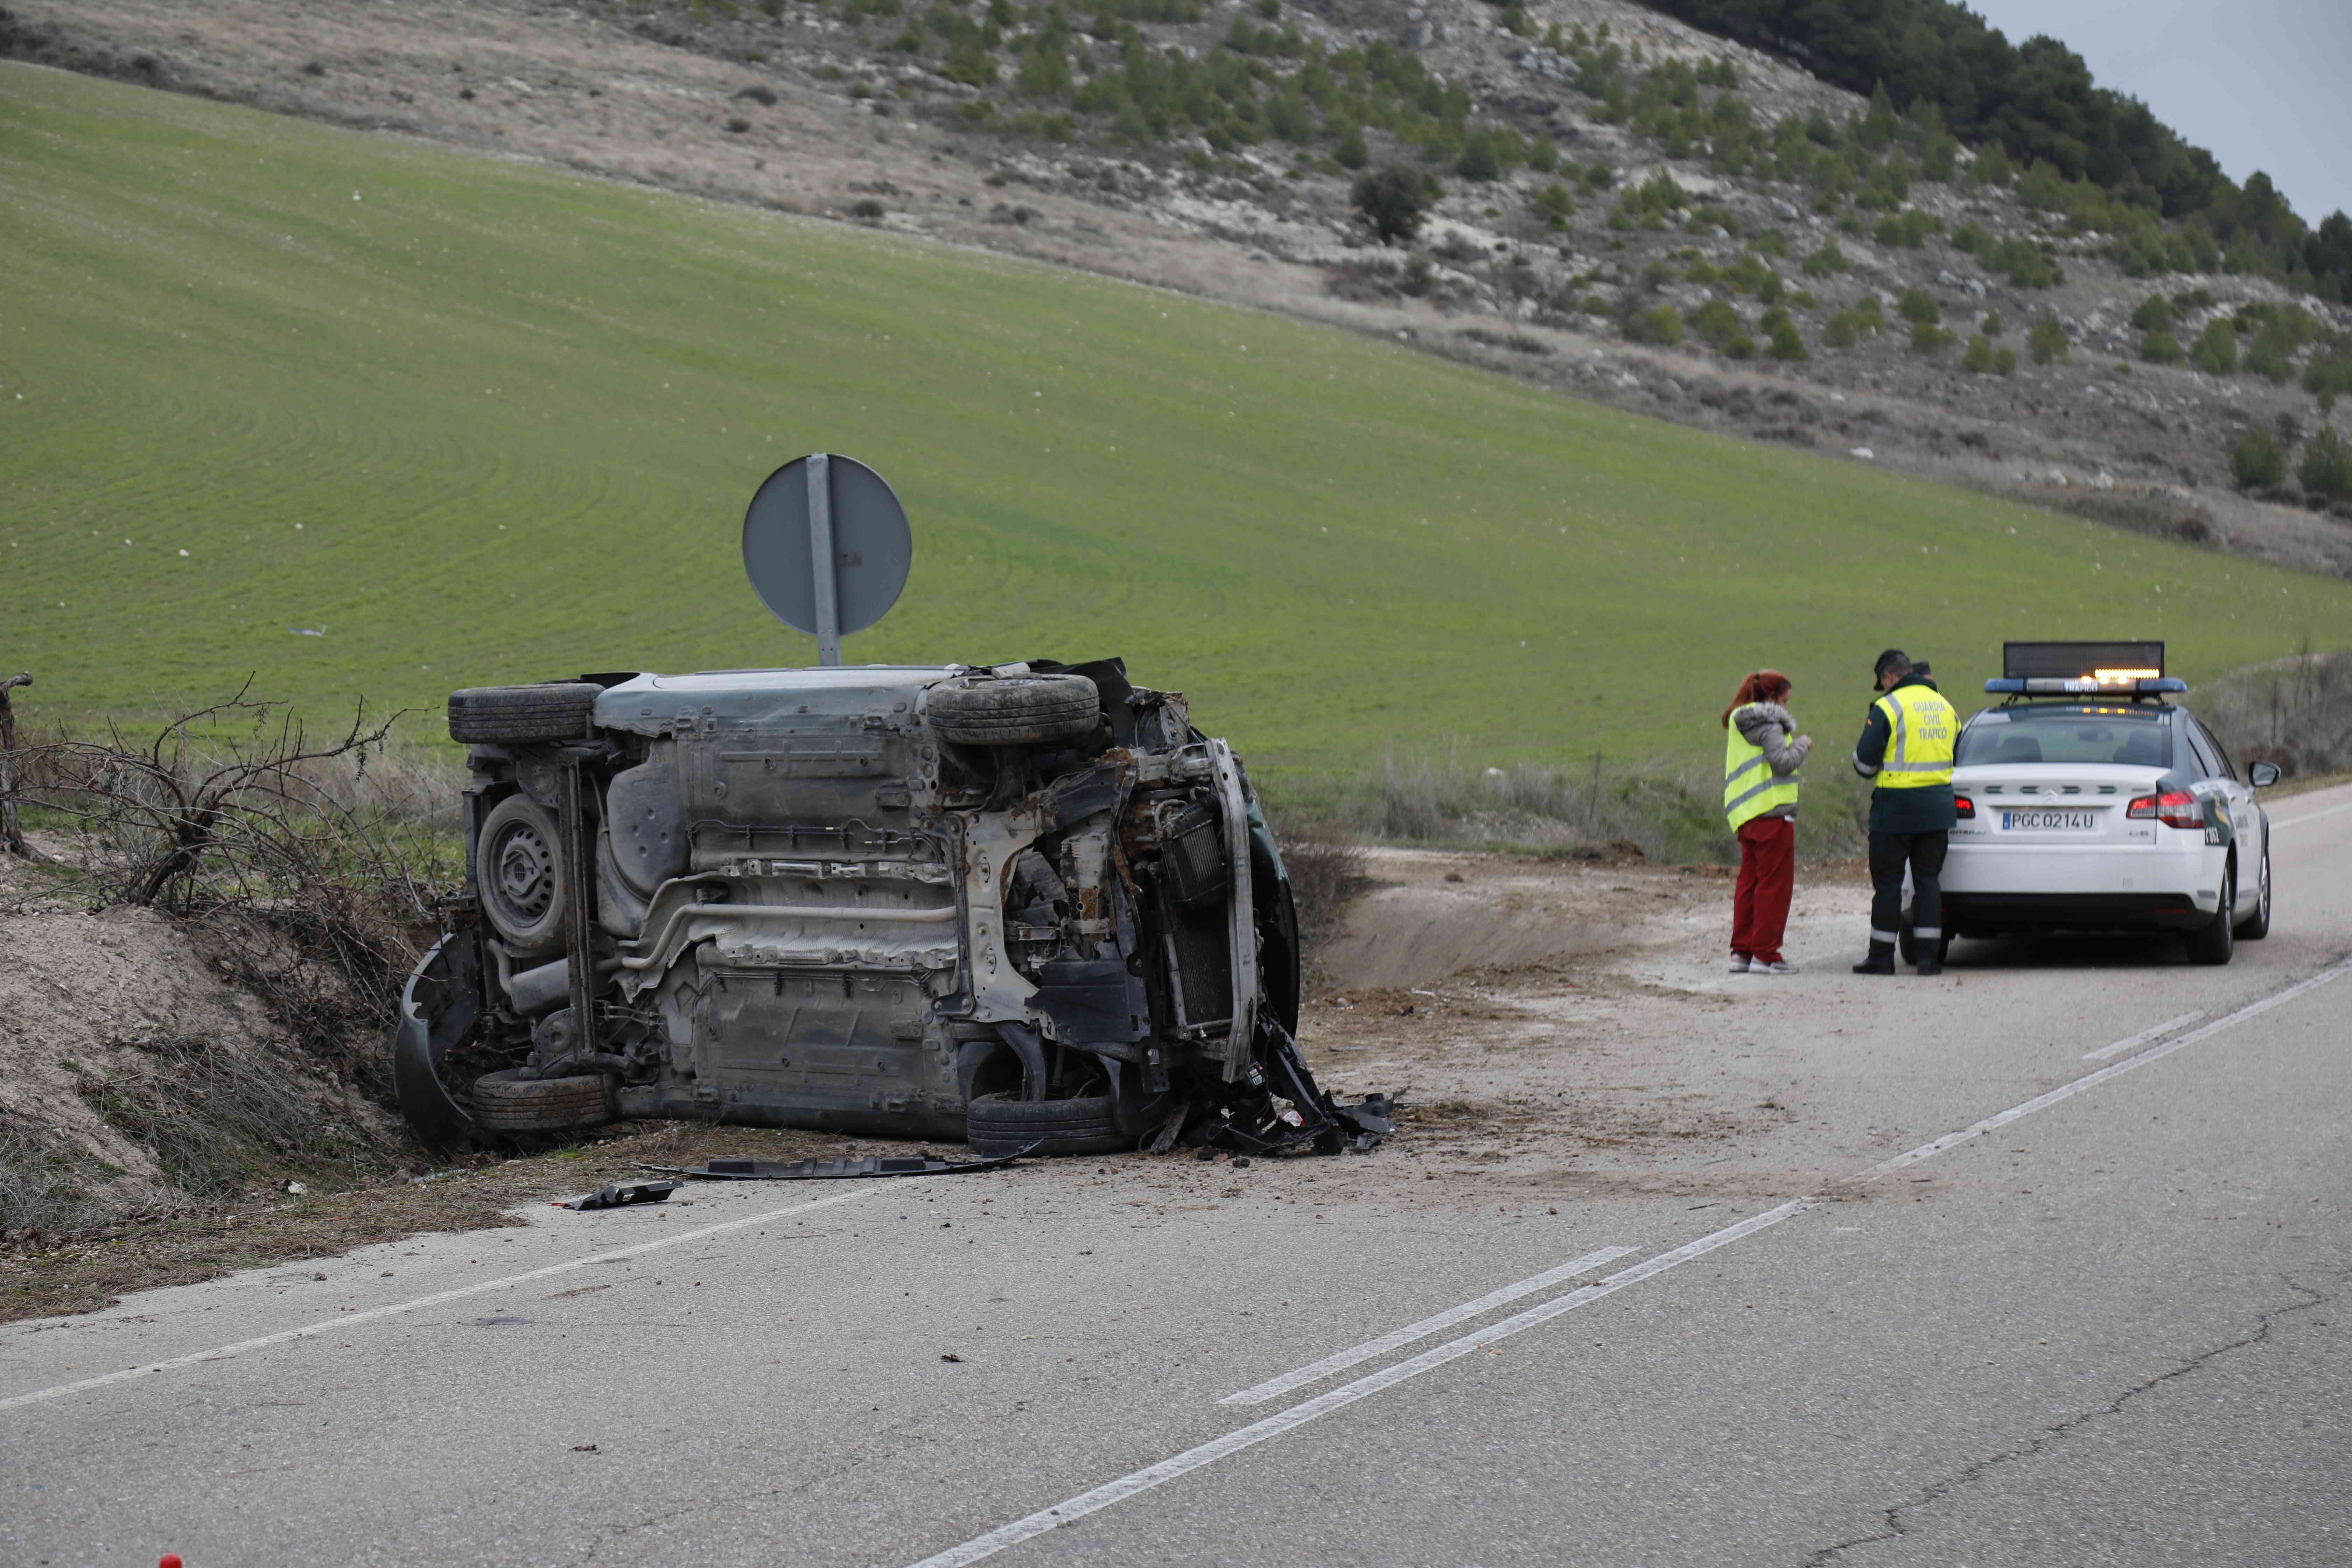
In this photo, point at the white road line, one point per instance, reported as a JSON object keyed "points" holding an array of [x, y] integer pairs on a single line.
{"points": [[1339, 1360], [352, 1320], [1347, 1394], [2093, 1080], [2313, 816], [2132, 1042]]}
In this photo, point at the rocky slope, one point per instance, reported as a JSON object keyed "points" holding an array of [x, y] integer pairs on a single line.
{"points": [[955, 124]]}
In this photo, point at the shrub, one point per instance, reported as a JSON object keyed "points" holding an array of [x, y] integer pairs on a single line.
{"points": [[1555, 204], [865, 208], [2256, 462], [2153, 314], [1993, 325], [1840, 331], [1393, 200], [2046, 341], [2160, 347], [2004, 362], [1927, 338], [1479, 160], [1867, 314], [1992, 167], [2216, 350], [1772, 242], [1827, 260], [1919, 306], [2327, 467], [2266, 356], [1768, 288], [1978, 356], [1351, 152], [1788, 343], [1741, 346], [1662, 325], [1715, 322], [1600, 176]]}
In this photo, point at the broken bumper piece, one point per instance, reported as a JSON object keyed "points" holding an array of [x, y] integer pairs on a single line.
{"points": [[621, 1194], [834, 1170]]}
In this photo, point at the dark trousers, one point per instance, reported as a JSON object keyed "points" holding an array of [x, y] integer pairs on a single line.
{"points": [[1923, 853], [1759, 900]]}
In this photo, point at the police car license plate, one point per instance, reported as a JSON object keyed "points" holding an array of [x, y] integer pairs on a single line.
{"points": [[2048, 821]]}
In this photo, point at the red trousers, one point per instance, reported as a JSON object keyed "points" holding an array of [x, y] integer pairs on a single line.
{"points": [[1759, 900]]}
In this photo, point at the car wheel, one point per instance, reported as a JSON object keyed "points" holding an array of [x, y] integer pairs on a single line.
{"points": [[2211, 942], [999, 1124], [2258, 924], [518, 871], [1907, 942], [496, 715], [508, 1103], [1014, 709]]}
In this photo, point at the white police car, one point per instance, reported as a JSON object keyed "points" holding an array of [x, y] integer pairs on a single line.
{"points": [[2087, 801]]}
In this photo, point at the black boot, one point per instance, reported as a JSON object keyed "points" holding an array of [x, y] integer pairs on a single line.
{"points": [[1929, 964], [1880, 961]]}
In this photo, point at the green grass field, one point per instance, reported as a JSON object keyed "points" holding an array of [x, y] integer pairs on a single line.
{"points": [[483, 422]]}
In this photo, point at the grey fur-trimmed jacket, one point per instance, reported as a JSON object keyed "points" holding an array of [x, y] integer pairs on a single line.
{"points": [[1767, 725]]}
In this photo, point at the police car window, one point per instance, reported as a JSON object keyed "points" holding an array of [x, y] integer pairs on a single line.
{"points": [[2221, 753], [2202, 750], [2064, 735]]}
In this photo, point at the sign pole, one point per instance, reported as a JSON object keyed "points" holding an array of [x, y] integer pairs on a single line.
{"points": [[825, 559]]}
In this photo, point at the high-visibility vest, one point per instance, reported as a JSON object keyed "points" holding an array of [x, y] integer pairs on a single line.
{"points": [[1750, 788], [1919, 751]]}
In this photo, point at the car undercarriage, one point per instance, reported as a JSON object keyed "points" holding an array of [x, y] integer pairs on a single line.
{"points": [[1028, 906]]}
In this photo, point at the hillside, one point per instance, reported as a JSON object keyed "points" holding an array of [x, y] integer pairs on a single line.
{"points": [[369, 418], [1208, 147]]}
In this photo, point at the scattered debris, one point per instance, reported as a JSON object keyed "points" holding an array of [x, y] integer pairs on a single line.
{"points": [[833, 1170], [620, 1195]]}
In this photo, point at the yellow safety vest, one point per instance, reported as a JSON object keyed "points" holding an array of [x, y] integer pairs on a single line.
{"points": [[1919, 751], [1750, 787]]}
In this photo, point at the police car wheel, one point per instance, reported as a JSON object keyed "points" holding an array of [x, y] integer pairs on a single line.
{"points": [[2258, 922], [2212, 942]]}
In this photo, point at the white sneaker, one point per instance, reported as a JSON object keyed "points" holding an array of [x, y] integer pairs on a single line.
{"points": [[1738, 963], [1777, 966]]}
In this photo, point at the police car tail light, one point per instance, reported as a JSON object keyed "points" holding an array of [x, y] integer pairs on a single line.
{"points": [[2174, 809], [1966, 807]]}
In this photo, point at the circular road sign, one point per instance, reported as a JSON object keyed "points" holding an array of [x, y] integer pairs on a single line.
{"points": [[826, 509]]}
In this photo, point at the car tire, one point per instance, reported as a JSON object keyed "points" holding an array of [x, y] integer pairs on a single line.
{"points": [[518, 871], [500, 715], [508, 1103], [2212, 942], [1014, 709], [1907, 943], [2256, 926], [999, 1124]]}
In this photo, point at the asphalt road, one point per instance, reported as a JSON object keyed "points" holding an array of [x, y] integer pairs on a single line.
{"points": [[2108, 1328]]}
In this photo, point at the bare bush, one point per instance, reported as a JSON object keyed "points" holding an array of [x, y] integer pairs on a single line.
{"points": [[315, 863], [2295, 712], [219, 1119], [38, 1193], [1661, 812], [1325, 862]]}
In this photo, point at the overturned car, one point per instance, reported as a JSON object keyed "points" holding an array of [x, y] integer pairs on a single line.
{"points": [[1029, 906]]}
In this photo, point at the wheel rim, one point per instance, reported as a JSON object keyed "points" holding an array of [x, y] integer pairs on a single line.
{"points": [[2265, 893], [522, 873]]}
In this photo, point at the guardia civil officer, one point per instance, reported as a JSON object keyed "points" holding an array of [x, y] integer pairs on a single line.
{"points": [[1906, 750]]}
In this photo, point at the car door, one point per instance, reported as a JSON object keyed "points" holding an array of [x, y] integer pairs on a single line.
{"points": [[2210, 781], [2252, 829]]}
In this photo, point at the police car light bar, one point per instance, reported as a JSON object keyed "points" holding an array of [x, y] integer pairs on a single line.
{"points": [[2103, 683]]}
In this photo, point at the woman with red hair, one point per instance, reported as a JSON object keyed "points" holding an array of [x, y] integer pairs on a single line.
{"points": [[1761, 753]]}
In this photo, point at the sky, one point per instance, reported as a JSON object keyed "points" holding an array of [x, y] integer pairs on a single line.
{"points": [[2260, 84]]}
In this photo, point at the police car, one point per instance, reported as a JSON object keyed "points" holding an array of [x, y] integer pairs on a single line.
{"points": [[2088, 801]]}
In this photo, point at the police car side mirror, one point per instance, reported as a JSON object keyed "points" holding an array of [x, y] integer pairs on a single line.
{"points": [[2262, 775]]}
